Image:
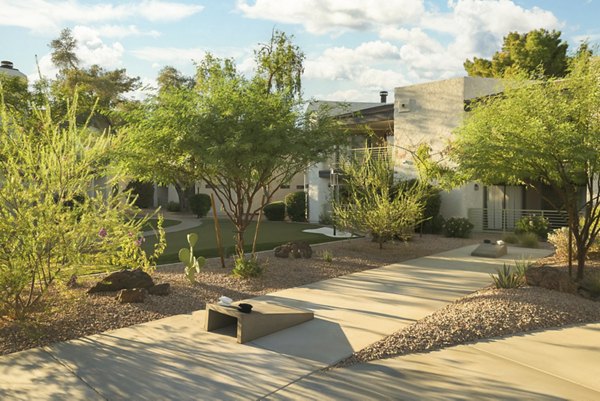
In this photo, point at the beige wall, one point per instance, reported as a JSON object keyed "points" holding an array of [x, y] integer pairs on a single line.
{"points": [[427, 114]]}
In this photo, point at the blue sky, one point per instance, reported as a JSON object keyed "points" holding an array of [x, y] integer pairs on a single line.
{"points": [[354, 48]]}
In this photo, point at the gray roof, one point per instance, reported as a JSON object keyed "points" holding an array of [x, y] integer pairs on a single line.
{"points": [[336, 108]]}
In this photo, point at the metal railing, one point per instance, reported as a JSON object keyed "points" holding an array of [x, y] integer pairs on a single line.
{"points": [[505, 219]]}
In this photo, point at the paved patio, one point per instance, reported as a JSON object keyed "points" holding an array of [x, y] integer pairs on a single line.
{"points": [[174, 358]]}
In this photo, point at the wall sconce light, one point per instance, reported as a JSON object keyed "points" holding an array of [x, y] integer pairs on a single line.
{"points": [[476, 187]]}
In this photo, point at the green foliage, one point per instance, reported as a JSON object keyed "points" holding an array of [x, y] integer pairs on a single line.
{"points": [[533, 224], [510, 238], [240, 134], [528, 51], [327, 255], [247, 267], [542, 133], [325, 218], [371, 207], [521, 267], [52, 221], [528, 240], [144, 192], [275, 211], [295, 206], [200, 204], [173, 206], [457, 227], [192, 265], [506, 278]]}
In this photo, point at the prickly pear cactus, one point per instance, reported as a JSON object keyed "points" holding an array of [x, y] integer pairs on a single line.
{"points": [[192, 264]]}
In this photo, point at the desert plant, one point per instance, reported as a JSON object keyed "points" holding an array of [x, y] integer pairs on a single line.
{"points": [[560, 239], [192, 264], [275, 211], [327, 255], [246, 268], [529, 240], [521, 267], [510, 238], [457, 227], [173, 206], [532, 224], [295, 206], [53, 221], [200, 204], [506, 278]]}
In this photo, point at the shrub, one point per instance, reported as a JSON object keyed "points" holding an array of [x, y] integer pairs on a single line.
{"points": [[144, 192], [325, 218], [532, 224], [435, 225], [275, 211], [529, 240], [506, 278], [457, 227], [50, 223], [560, 239], [510, 238], [327, 255], [246, 268], [200, 204], [173, 206], [295, 206]]}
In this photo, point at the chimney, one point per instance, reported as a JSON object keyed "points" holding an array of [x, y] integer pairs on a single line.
{"points": [[383, 95], [6, 64]]}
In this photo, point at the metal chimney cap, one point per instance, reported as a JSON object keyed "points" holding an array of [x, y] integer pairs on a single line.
{"points": [[383, 95], [6, 64]]}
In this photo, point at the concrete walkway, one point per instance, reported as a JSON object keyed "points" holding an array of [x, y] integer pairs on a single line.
{"points": [[187, 222], [174, 358]]}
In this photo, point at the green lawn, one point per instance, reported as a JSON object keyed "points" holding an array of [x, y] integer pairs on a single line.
{"points": [[271, 234], [151, 224]]}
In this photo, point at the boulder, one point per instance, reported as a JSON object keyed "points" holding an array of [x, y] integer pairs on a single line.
{"points": [[552, 278], [136, 295], [123, 279], [160, 289], [298, 249]]}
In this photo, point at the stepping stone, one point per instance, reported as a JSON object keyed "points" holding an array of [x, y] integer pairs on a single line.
{"points": [[263, 320], [490, 251]]}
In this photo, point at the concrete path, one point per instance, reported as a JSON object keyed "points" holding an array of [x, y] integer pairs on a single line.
{"points": [[174, 358], [551, 365], [187, 222]]}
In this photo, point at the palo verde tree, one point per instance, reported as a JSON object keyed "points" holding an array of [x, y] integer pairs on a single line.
{"points": [[60, 207], [542, 133], [374, 205], [244, 136]]}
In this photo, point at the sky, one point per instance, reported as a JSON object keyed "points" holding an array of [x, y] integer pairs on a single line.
{"points": [[353, 48]]}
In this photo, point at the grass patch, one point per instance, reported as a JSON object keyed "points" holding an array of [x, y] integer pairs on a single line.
{"points": [[271, 234], [151, 224]]}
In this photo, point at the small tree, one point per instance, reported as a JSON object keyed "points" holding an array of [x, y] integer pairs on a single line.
{"points": [[542, 133], [371, 207], [60, 207]]}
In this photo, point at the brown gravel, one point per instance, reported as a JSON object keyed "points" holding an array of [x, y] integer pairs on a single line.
{"points": [[73, 313], [484, 314]]}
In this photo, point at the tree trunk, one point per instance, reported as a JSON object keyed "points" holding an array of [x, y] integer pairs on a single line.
{"points": [[581, 256], [181, 194]]}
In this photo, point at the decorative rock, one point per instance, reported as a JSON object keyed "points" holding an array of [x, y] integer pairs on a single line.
{"points": [[551, 278], [298, 249], [136, 295], [488, 250], [123, 279], [160, 289]]}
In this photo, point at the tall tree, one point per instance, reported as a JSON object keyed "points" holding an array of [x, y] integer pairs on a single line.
{"points": [[543, 132], [528, 52], [98, 89], [243, 136]]}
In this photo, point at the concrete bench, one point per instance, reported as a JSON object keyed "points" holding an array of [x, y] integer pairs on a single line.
{"points": [[263, 320]]}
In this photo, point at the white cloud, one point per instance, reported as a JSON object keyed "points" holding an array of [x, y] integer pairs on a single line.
{"points": [[121, 31], [321, 16], [46, 15], [91, 49], [170, 55]]}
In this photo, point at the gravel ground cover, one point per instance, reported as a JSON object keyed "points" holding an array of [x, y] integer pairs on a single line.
{"points": [[71, 313], [484, 314]]}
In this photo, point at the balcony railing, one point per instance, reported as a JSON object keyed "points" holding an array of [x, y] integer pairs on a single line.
{"points": [[505, 219]]}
